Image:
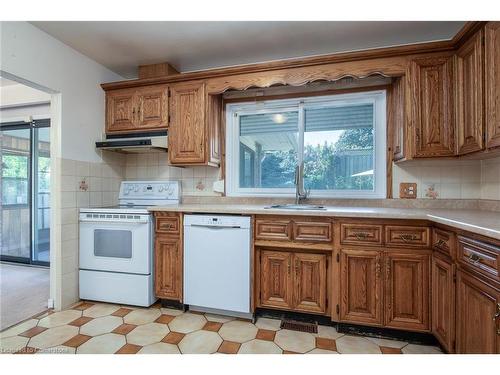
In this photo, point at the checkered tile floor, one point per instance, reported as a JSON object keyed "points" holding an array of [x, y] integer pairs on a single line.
{"points": [[105, 328]]}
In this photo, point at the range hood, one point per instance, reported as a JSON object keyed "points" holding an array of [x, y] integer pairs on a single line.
{"points": [[136, 142]]}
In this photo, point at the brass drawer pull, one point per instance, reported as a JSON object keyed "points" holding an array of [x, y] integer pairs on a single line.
{"points": [[440, 243], [361, 235], [408, 237], [474, 258]]}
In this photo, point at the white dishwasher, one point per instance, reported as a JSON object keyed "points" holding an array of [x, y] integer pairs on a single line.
{"points": [[217, 264]]}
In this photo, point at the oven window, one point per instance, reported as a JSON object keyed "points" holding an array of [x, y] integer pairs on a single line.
{"points": [[113, 243]]}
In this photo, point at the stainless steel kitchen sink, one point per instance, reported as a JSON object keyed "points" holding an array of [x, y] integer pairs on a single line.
{"points": [[296, 207]]}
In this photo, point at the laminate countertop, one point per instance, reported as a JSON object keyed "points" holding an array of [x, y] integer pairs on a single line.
{"points": [[486, 223]]}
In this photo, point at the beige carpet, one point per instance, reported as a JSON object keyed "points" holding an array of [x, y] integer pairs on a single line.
{"points": [[24, 292]]}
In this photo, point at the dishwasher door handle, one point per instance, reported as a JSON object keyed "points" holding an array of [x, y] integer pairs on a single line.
{"points": [[208, 226]]}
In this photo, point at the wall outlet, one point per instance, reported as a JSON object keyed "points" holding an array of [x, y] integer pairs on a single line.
{"points": [[407, 190]]}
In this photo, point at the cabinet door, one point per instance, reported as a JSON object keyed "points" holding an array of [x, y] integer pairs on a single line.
{"points": [[407, 291], [310, 282], [275, 279], [432, 106], [361, 287], [186, 142], [152, 102], [168, 267], [492, 82], [396, 118], [121, 111], [469, 95], [443, 302], [214, 123], [478, 327]]}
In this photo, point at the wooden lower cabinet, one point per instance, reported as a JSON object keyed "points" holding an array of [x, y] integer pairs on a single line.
{"points": [[275, 279], [168, 267], [293, 281], [478, 320], [407, 290], [361, 287], [443, 302]]}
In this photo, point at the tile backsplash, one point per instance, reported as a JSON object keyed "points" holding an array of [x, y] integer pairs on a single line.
{"points": [[197, 181], [450, 179]]}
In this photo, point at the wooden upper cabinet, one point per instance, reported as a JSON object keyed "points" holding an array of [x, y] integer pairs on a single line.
{"points": [[152, 107], [443, 302], [194, 132], [469, 95], [275, 279], [361, 287], [478, 316], [431, 101], [120, 110], [407, 291], [492, 83], [310, 282], [137, 109], [396, 118]]}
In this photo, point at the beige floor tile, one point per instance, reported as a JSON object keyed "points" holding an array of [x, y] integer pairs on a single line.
{"points": [[238, 331], [219, 318], [147, 334], [294, 341], [59, 318], [99, 326], [200, 342], [105, 344], [321, 351], [187, 322], [12, 344], [20, 328], [388, 343], [53, 337], [160, 348], [356, 345], [173, 312], [61, 349], [100, 309], [267, 323], [328, 332], [421, 349], [259, 347], [142, 316]]}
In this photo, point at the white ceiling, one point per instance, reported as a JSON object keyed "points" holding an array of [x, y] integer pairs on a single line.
{"points": [[188, 46]]}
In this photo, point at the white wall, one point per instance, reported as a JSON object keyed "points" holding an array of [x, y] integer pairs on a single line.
{"points": [[32, 55]]}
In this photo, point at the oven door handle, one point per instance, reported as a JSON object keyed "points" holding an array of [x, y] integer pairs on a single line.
{"points": [[113, 221]]}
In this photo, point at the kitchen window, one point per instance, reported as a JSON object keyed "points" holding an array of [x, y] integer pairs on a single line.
{"points": [[340, 139]]}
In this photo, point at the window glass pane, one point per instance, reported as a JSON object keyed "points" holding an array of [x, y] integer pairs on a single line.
{"points": [[338, 148], [268, 150]]}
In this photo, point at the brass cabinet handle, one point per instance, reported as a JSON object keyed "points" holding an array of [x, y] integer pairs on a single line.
{"points": [[497, 314], [474, 258], [388, 269], [296, 266], [360, 235], [288, 267], [440, 243], [408, 237], [378, 268]]}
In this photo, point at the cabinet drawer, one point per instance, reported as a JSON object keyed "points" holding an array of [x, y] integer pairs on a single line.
{"points": [[310, 231], [360, 234], [396, 235], [444, 242], [273, 229], [168, 224], [479, 256]]}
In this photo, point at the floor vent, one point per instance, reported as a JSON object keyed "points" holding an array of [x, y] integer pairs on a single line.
{"points": [[299, 326]]}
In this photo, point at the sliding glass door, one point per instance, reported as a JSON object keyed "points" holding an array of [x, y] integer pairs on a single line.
{"points": [[25, 192]]}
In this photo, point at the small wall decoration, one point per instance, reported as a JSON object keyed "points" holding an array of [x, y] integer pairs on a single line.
{"points": [[83, 186]]}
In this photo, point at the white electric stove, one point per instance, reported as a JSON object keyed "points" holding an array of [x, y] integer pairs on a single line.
{"points": [[116, 244]]}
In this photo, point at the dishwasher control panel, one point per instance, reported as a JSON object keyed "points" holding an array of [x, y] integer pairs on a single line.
{"points": [[217, 221]]}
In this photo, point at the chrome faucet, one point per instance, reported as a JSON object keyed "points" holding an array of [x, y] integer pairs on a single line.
{"points": [[300, 193]]}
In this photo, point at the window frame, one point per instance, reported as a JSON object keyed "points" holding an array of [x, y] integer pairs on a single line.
{"points": [[235, 110]]}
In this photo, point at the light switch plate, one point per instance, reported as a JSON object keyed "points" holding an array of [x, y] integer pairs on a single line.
{"points": [[407, 190]]}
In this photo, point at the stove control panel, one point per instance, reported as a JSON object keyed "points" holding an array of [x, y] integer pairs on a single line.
{"points": [[150, 191]]}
